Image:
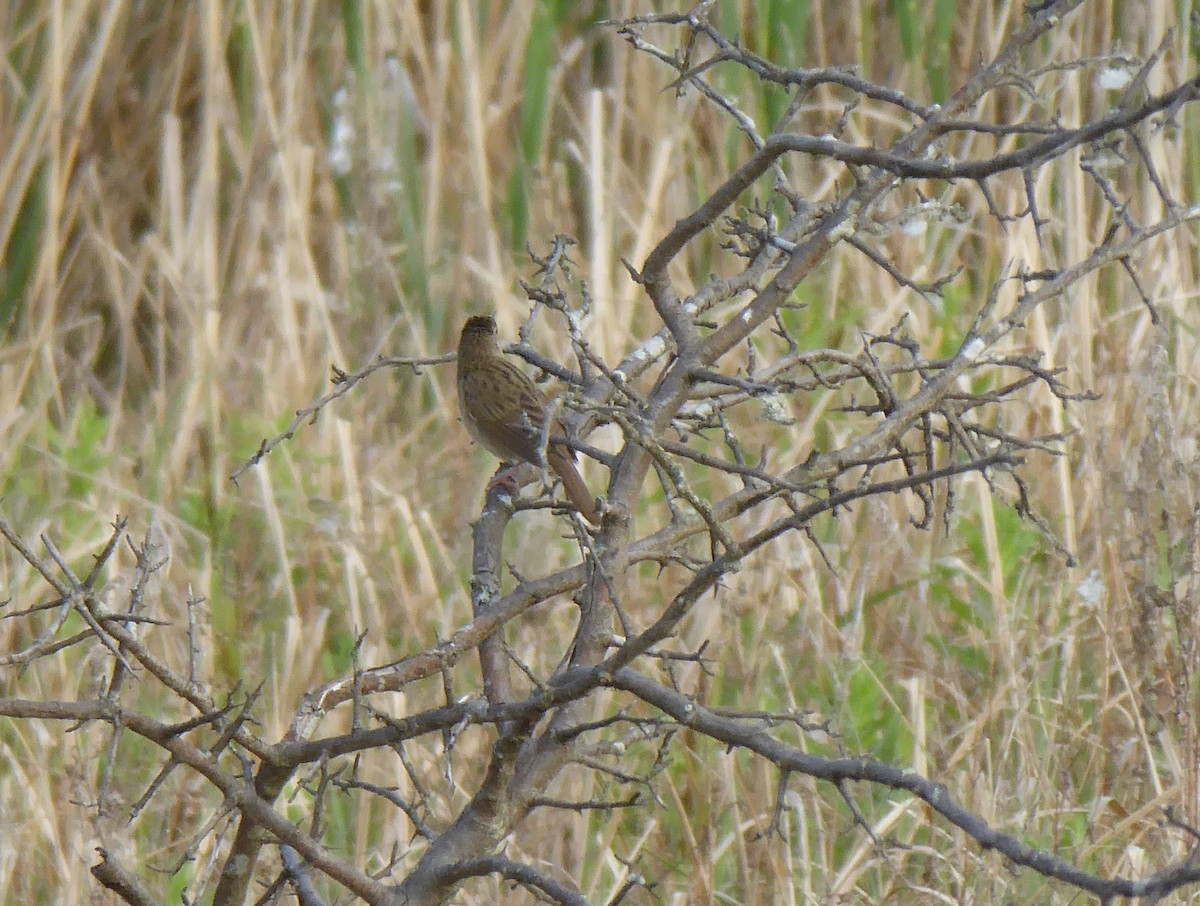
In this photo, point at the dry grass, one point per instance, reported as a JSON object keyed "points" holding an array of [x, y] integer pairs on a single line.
{"points": [[183, 262]]}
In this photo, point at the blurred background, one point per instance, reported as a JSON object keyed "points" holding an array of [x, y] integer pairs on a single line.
{"points": [[203, 207]]}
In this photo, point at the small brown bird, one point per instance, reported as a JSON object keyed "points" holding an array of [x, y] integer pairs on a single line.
{"points": [[505, 412]]}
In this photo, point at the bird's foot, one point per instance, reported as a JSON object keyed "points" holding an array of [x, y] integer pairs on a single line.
{"points": [[506, 478]]}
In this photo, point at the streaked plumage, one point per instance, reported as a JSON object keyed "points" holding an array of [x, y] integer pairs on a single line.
{"points": [[505, 411]]}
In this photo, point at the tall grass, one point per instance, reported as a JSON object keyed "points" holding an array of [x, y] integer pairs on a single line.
{"points": [[184, 255]]}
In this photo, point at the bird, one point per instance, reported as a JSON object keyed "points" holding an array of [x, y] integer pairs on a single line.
{"points": [[505, 412]]}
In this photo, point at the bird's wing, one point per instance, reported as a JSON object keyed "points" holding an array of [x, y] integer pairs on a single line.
{"points": [[508, 408]]}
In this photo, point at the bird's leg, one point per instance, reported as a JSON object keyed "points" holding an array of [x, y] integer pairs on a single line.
{"points": [[505, 477]]}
